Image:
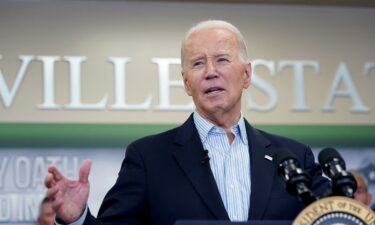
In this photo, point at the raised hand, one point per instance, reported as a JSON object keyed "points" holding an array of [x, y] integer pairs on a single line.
{"points": [[69, 197]]}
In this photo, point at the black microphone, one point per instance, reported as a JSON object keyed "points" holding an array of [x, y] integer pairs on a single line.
{"points": [[333, 165], [206, 157], [297, 181]]}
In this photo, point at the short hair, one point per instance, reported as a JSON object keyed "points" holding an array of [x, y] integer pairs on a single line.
{"points": [[220, 24]]}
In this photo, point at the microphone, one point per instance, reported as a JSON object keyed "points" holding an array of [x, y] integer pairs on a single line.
{"points": [[296, 180], [206, 157], [333, 165]]}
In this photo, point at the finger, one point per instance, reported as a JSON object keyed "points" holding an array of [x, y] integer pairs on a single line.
{"points": [[51, 193], [84, 171], [48, 180], [56, 204], [55, 172]]}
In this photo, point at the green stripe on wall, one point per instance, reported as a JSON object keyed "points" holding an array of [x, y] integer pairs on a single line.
{"points": [[17, 135]]}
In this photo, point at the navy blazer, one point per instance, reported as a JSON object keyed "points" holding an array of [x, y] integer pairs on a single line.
{"points": [[162, 179]]}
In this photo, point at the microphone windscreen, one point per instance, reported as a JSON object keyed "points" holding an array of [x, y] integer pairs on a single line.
{"points": [[282, 155], [327, 155]]}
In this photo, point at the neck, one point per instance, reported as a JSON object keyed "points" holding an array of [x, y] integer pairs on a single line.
{"points": [[223, 120]]}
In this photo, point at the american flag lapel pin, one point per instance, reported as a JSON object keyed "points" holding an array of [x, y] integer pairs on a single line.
{"points": [[268, 157]]}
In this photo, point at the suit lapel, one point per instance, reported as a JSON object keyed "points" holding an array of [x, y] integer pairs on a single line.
{"points": [[262, 172], [189, 154]]}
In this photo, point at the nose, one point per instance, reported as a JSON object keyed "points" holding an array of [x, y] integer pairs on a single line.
{"points": [[211, 71]]}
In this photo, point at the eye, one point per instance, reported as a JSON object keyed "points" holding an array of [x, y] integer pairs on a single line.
{"points": [[197, 63], [223, 60]]}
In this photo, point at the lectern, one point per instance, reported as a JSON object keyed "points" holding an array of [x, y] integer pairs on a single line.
{"points": [[219, 222]]}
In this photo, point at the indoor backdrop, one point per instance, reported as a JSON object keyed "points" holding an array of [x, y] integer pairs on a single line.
{"points": [[82, 79]]}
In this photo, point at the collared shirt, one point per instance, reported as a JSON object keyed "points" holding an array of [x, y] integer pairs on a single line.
{"points": [[230, 164]]}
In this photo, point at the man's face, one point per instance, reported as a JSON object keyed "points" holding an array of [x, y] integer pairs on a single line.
{"points": [[47, 216], [214, 74], [362, 195]]}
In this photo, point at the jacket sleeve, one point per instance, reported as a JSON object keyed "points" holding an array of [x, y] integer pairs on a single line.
{"points": [[125, 201]]}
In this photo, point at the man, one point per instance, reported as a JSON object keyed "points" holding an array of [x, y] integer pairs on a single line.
{"points": [[46, 213], [362, 195], [212, 167]]}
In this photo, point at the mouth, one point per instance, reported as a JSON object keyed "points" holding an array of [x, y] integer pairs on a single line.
{"points": [[214, 90]]}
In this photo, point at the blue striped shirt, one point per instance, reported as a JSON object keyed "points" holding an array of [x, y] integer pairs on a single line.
{"points": [[230, 164]]}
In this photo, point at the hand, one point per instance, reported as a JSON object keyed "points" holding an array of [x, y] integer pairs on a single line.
{"points": [[69, 197]]}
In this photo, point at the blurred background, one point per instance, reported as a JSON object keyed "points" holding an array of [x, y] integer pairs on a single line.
{"points": [[82, 79]]}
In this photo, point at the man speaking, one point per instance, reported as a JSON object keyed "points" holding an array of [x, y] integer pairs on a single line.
{"points": [[215, 166]]}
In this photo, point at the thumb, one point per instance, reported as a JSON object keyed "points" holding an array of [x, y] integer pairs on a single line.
{"points": [[84, 171]]}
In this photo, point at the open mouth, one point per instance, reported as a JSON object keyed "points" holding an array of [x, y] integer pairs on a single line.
{"points": [[213, 90]]}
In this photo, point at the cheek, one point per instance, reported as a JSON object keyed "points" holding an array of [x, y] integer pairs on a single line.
{"points": [[188, 88], [191, 84]]}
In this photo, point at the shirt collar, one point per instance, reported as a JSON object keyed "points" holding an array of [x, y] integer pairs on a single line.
{"points": [[204, 127]]}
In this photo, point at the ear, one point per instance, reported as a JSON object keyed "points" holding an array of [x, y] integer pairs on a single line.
{"points": [[186, 84], [247, 75]]}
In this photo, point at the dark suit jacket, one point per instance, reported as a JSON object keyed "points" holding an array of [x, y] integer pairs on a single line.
{"points": [[162, 179]]}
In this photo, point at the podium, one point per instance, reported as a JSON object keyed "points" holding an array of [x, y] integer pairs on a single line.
{"points": [[221, 222], [329, 210]]}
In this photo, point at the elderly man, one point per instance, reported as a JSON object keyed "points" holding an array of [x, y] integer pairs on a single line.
{"points": [[212, 167]]}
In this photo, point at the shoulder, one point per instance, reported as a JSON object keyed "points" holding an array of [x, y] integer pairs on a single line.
{"points": [[169, 138], [282, 141], [268, 139], [275, 142], [155, 140]]}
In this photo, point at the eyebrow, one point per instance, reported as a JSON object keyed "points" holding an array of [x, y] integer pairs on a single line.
{"points": [[197, 58], [223, 54], [215, 56]]}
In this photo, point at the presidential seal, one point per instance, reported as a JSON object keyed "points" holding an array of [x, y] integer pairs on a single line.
{"points": [[336, 211]]}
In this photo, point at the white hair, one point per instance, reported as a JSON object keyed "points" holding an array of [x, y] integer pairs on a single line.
{"points": [[220, 24]]}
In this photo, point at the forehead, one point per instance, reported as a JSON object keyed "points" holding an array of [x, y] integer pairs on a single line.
{"points": [[211, 39]]}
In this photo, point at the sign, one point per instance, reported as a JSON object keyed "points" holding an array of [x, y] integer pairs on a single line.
{"points": [[118, 62], [336, 210]]}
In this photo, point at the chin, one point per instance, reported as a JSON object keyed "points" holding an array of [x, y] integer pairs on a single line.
{"points": [[217, 108]]}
